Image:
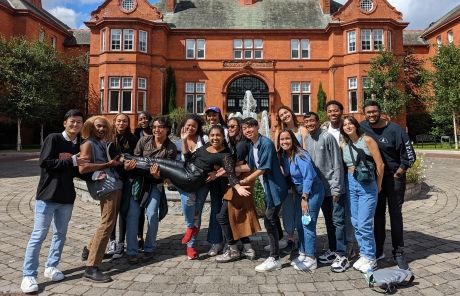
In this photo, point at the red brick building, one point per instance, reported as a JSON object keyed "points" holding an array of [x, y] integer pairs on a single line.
{"points": [[280, 50]]}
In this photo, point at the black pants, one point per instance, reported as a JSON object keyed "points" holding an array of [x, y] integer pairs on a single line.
{"points": [[224, 222], [274, 231], [392, 191]]}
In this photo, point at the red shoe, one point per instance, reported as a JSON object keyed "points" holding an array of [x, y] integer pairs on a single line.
{"points": [[191, 253], [189, 233]]}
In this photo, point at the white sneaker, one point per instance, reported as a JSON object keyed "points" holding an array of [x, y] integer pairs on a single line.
{"points": [[368, 265], [307, 264], [327, 257], [215, 249], [53, 274], [281, 245], [269, 264], [300, 258], [29, 284], [340, 264], [357, 265], [112, 247]]}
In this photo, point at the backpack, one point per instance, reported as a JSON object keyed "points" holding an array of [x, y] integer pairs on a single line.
{"points": [[387, 280]]}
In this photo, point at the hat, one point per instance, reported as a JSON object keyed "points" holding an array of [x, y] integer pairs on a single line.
{"points": [[213, 109]]}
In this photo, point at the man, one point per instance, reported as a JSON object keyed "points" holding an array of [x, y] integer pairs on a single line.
{"points": [[54, 200], [263, 160], [398, 155], [327, 158], [104, 186], [334, 112]]}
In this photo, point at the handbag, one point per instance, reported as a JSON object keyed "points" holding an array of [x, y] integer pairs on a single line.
{"points": [[364, 165]]}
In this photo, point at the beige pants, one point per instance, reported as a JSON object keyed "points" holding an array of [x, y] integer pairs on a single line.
{"points": [[109, 211]]}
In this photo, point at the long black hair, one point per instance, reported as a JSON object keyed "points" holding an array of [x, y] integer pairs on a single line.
{"points": [[221, 130], [296, 149]]}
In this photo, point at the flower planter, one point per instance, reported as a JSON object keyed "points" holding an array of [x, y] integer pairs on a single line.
{"points": [[412, 190]]}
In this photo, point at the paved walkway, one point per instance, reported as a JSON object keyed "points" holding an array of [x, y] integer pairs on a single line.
{"points": [[432, 238]]}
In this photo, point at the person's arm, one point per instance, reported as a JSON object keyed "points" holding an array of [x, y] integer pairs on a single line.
{"points": [[304, 133], [252, 177], [406, 153], [379, 165], [308, 173], [48, 160], [229, 165], [335, 156], [85, 152]]}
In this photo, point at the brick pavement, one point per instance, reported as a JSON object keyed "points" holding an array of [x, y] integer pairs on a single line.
{"points": [[432, 238]]}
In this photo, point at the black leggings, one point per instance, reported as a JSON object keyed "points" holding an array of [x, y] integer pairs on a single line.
{"points": [[184, 175]]}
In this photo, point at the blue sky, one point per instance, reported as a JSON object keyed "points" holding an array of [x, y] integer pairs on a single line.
{"points": [[419, 13]]}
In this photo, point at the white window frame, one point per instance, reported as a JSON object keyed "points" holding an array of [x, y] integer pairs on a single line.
{"points": [[141, 94], [123, 85], [300, 46], [53, 41], [365, 84], [196, 91], [249, 49], [143, 41], [128, 43], [238, 48], [196, 46], [352, 89], [369, 41], [41, 36], [113, 33], [439, 41], [351, 44], [101, 93], [378, 37], [103, 36], [390, 41], [299, 91], [450, 37]]}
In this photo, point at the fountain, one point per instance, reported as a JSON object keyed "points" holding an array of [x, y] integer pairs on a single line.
{"points": [[249, 108]]}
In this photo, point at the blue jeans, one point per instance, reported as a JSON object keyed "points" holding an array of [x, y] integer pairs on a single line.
{"points": [[288, 208], [363, 202], [45, 213], [307, 237], [192, 207], [217, 191], [132, 222], [334, 216]]}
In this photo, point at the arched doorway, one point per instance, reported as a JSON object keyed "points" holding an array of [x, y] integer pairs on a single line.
{"points": [[239, 86]]}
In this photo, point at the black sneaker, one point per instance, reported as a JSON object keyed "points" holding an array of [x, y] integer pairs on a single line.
{"points": [[140, 243], [289, 248], [400, 261], [95, 275], [84, 254]]}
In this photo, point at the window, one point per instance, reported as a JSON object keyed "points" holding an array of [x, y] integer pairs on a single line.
{"points": [[41, 36], [390, 41], [248, 49], [366, 85], [450, 37], [194, 97], [128, 39], [352, 94], [300, 96], [102, 40], [351, 37], [141, 94], [142, 41], [378, 39], [53, 41], [366, 40], [439, 41], [195, 48], [300, 49], [115, 39], [128, 5], [366, 5], [120, 94], [101, 87]]}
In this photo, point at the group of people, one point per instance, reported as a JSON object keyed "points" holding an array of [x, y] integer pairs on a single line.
{"points": [[348, 170]]}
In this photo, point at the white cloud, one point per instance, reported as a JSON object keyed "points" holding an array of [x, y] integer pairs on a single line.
{"points": [[66, 15]]}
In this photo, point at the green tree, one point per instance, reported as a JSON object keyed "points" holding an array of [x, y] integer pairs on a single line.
{"points": [[446, 83], [386, 76], [321, 99]]}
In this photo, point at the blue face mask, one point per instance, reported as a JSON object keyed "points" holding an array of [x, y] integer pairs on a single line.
{"points": [[306, 219]]}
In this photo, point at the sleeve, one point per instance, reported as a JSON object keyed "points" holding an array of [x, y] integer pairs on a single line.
{"points": [[229, 165], [406, 151], [307, 171], [139, 147], [172, 151], [266, 154], [337, 179], [242, 150], [48, 158]]}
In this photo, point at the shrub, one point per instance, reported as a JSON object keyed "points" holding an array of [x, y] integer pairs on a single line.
{"points": [[416, 174], [259, 197]]}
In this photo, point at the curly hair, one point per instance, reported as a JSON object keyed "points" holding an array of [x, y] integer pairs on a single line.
{"points": [[89, 129]]}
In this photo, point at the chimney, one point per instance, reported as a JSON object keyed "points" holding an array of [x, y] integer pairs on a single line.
{"points": [[247, 2], [326, 6], [170, 5]]}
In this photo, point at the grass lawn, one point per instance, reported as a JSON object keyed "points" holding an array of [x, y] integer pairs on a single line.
{"points": [[430, 146]]}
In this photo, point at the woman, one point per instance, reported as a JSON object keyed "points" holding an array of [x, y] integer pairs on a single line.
{"points": [[360, 150], [124, 142], [308, 196], [155, 146], [286, 119], [237, 217], [192, 203]]}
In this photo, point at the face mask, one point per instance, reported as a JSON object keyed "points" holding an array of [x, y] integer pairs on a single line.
{"points": [[306, 219]]}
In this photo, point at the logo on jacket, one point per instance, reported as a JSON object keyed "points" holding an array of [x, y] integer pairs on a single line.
{"points": [[383, 140]]}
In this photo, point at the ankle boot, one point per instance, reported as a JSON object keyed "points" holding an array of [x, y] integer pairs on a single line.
{"points": [[189, 233], [93, 274], [231, 253], [248, 252]]}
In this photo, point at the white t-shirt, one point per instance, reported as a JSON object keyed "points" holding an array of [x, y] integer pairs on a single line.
{"points": [[335, 132]]}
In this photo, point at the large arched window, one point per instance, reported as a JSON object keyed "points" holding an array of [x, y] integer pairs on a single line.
{"points": [[239, 86]]}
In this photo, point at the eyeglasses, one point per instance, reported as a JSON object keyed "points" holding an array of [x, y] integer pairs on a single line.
{"points": [[158, 127], [232, 126]]}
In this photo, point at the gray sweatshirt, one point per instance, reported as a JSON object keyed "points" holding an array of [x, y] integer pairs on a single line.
{"points": [[327, 158]]}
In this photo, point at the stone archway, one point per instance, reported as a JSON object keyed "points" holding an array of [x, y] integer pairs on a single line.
{"points": [[237, 88]]}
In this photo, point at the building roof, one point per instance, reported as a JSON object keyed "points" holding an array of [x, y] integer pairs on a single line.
{"points": [[454, 13], [79, 37], [230, 14], [413, 38], [40, 12]]}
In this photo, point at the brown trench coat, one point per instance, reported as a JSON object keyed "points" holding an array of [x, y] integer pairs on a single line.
{"points": [[242, 213]]}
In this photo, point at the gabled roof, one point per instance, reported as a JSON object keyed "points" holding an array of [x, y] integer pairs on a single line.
{"points": [[451, 15], [40, 12], [230, 14], [413, 38], [79, 37]]}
